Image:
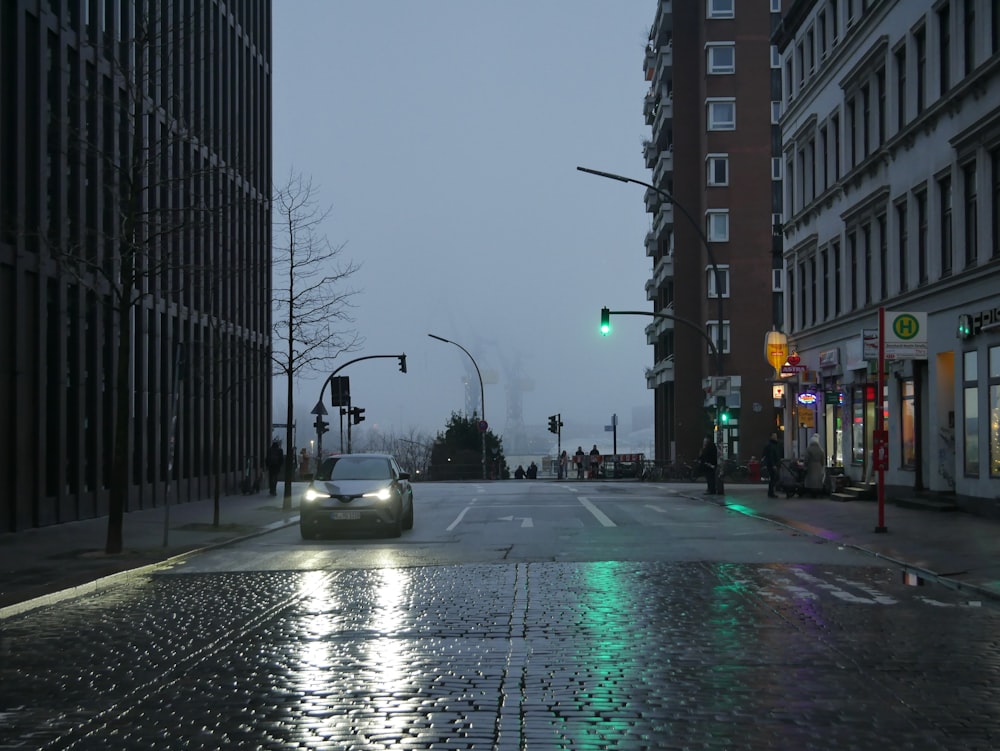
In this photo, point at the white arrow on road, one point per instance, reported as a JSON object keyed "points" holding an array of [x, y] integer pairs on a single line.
{"points": [[656, 508], [525, 520]]}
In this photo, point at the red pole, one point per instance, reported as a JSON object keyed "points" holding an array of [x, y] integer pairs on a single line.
{"points": [[881, 444]]}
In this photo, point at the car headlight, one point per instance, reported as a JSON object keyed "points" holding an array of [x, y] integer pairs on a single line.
{"points": [[312, 494], [383, 495]]}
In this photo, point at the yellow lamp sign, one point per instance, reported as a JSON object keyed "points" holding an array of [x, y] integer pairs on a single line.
{"points": [[776, 349]]}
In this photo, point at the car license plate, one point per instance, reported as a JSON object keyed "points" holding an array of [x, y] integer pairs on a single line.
{"points": [[345, 515]]}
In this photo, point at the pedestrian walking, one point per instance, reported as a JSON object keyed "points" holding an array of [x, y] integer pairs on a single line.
{"points": [[275, 464], [519, 472], [304, 473], [563, 465], [595, 462], [578, 459], [772, 458], [815, 466], [709, 461]]}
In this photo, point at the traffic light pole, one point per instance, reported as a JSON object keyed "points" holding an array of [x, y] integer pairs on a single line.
{"points": [[715, 271], [322, 391]]}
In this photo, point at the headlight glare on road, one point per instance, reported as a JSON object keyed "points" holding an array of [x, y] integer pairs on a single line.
{"points": [[312, 494], [383, 495]]}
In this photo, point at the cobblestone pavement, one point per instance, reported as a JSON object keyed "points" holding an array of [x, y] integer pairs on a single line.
{"points": [[507, 656]]}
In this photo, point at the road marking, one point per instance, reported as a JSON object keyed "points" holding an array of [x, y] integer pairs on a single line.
{"points": [[458, 519], [656, 508], [525, 520], [598, 514]]}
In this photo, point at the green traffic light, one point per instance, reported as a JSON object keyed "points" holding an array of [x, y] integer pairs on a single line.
{"points": [[605, 321]]}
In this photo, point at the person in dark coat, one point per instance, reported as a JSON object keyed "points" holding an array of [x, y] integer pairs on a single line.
{"points": [[709, 460], [771, 459], [275, 465], [578, 458]]}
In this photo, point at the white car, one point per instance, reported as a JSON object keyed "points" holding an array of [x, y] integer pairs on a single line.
{"points": [[357, 491]]}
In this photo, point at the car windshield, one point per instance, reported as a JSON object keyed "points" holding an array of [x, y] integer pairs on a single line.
{"points": [[354, 468]]}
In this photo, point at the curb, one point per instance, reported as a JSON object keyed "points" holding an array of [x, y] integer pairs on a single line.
{"points": [[122, 576]]}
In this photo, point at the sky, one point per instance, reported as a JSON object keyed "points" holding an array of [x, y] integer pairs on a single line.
{"points": [[444, 135]]}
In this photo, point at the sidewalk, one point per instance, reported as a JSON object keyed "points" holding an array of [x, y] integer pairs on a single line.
{"points": [[40, 566]]}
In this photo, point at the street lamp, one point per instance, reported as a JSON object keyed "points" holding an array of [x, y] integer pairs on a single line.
{"points": [[701, 236], [482, 392], [715, 271]]}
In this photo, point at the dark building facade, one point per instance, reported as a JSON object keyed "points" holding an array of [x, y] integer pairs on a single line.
{"points": [[135, 179], [714, 88]]}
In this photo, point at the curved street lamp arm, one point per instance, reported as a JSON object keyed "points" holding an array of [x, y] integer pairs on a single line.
{"points": [[701, 236]]}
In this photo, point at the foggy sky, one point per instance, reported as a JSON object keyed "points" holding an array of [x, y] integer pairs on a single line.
{"points": [[445, 134]]}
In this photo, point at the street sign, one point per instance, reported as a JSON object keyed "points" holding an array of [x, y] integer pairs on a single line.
{"points": [[793, 369], [319, 409], [905, 335], [721, 386], [483, 426]]}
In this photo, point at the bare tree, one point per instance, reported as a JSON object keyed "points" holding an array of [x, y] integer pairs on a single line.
{"points": [[311, 316]]}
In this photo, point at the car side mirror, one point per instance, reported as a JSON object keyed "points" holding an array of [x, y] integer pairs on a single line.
{"points": [[404, 475]]}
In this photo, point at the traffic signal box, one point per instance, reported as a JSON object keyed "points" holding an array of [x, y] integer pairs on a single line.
{"points": [[605, 321]]}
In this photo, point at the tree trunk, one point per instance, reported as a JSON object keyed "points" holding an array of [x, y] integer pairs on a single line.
{"points": [[120, 452]]}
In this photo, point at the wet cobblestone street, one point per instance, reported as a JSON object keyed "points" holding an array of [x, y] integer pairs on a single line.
{"points": [[514, 656]]}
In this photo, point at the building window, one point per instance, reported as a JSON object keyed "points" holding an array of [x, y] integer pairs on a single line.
{"points": [[880, 106], [718, 169], [835, 129], [900, 88], [969, 51], [908, 427], [775, 112], [825, 255], [944, 48], [721, 9], [971, 214], [775, 58], [883, 257], [970, 404], [852, 249], [944, 195], [995, 197], [821, 33], [775, 167], [722, 114], [920, 41], [837, 281], [718, 225], [994, 384], [721, 58], [866, 238], [723, 276], [713, 333], [776, 6], [921, 201], [776, 277], [901, 247]]}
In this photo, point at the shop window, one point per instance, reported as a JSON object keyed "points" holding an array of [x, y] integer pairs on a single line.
{"points": [[858, 426], [970, 420], [994, 411], [907, 414]]}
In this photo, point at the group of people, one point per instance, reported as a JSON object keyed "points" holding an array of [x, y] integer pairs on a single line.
{"points": [[815, 463], [531, 473]]}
